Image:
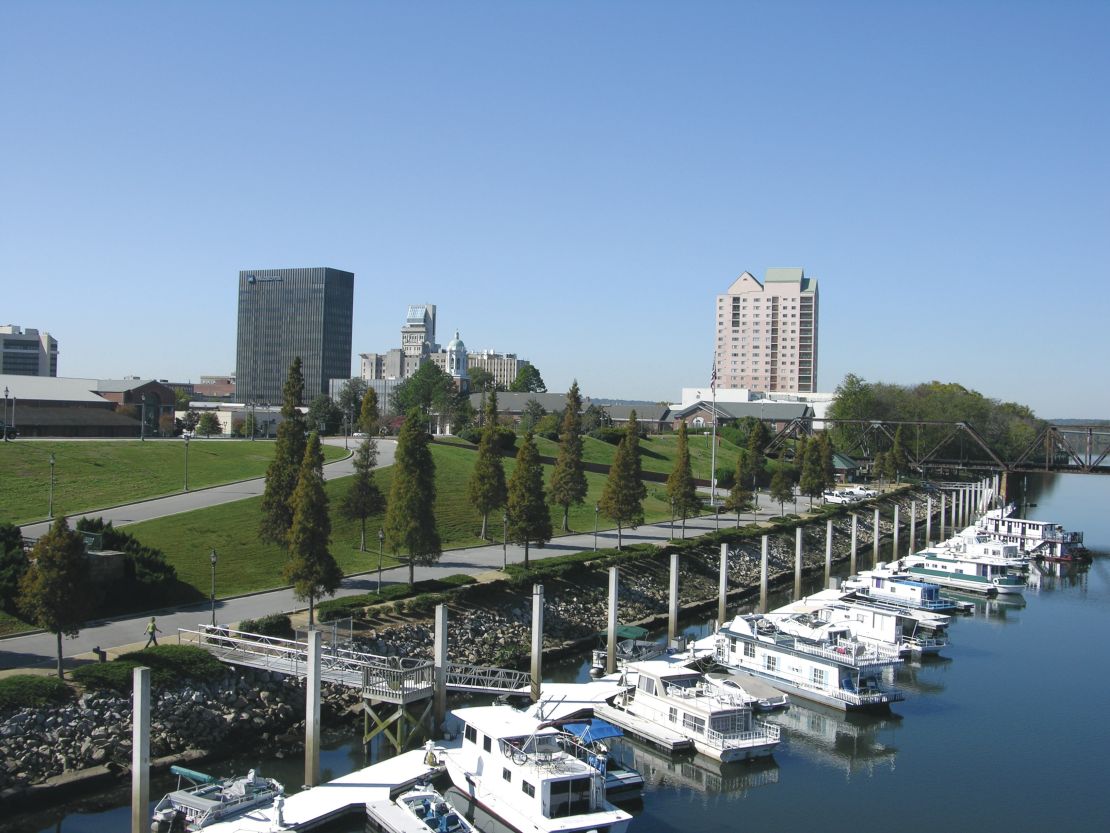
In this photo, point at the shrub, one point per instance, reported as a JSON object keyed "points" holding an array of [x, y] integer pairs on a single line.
{"points": [[726, 477], [30, 691], [168, 664], [276, 624], [471, 434], [613, 436]]}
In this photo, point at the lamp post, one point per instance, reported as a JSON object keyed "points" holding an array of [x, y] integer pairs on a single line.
{"points": [[212, 557], [672, 519], [142, 418], [381, 547], [505, 541], [50, 508], [186, 441], [5, 420], [254, 422], [597, 511]]}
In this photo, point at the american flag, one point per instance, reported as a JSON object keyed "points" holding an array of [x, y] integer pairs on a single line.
{"points": [[713, 376]]}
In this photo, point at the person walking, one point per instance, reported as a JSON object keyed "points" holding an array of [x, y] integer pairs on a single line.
{"points": [[152, 631]]}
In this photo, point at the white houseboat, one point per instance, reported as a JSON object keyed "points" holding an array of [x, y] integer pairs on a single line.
{"points": [[885, 586], [910, 633], [1038, 539], [949, 568], [840, 671], [719, 722], [521, 770]]}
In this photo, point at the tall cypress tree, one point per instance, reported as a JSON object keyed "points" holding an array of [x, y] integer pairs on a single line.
{"points": [[486, 488], [368, 414], [410, 521], [528, 515], [827, 467], [568, 480], [740, 496], [811, 482], [281, 475], [311, 569], [622, 499], [782, 488], [54, 592], [681, 491], [899, 461], [364, 498], [757, 440]]}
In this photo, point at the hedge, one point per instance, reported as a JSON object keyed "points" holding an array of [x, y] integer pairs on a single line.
{"points": [[30, 691], [168, 664]]}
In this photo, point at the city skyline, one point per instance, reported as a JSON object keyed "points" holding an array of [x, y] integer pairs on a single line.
{"points": [[577, 181]]}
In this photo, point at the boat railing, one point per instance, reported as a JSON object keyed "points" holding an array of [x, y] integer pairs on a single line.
{"points": [[922, 643], [762, 732], [850, 653], [867, 697]]}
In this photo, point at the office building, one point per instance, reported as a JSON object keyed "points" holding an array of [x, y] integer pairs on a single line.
{"points": [[27, 352], [285, 313], [767, 333]]}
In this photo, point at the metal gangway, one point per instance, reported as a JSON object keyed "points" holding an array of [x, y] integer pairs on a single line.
{"points": [[399, 680]]}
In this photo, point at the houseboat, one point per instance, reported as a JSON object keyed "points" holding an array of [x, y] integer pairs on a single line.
{"points": [[1038, 539], [719, 722], [887, 587], [631, 647], [209, 800], [522, 771], [839, 670], [949, 568]]}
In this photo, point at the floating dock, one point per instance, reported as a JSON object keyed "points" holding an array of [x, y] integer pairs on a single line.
{"points": [[315, 807]]}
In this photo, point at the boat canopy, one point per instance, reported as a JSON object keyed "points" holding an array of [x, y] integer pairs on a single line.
{"points": [[625, 632], [593, 730]]}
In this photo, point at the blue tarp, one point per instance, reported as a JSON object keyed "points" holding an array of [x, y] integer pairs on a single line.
{"points": [[593, 730]]}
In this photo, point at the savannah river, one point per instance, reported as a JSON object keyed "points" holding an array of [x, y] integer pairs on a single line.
{"points": [[1004, 732]]}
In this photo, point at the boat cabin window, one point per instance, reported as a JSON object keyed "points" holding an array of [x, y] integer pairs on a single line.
{"points": [[819, 676], [646, 684], [749, 650], [771, 663], [507, 774], [728, 722], [672, 714], [693, 723], [527, 789], [487, 744], [470, 733], [569, 798]]}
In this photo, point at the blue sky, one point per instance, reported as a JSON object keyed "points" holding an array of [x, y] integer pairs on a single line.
{"points": [[571, 181]]}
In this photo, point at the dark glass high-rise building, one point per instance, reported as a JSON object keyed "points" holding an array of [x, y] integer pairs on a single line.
{"points": [[285, 313]]}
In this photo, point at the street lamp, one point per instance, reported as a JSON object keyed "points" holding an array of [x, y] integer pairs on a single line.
{"points": [[672, 519], [212, 557], [5, 420], [186, 439], [505, 541], [381, 546], [50, 510], [597, 511]]}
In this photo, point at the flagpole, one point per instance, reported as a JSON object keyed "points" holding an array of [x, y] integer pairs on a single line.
{"points": [[713, 450]]}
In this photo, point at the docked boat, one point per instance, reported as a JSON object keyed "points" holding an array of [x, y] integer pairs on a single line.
{"points": [[209, 800], [602, 743], [973, 545], [521, 770], [718, 721], [422, 808], [949, 568], [631, 647], [1042, 540], [895, 588], [832, 667], [915, 633]]}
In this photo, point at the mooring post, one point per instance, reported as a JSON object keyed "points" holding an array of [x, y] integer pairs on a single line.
{"points": [[672, 604], [611, 645], [763, 576], [140, 750], [928, 519], [722, 587], [537, 641], [943, 500], [913, 527], [896, 547], [312, 712], [875, 539], [828, 550], [855, 539], [797, 563], [439, 657]]}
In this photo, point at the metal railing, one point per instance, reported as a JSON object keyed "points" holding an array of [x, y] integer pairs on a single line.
{"points": [[851, 653], [763, 733], [481, 678]]}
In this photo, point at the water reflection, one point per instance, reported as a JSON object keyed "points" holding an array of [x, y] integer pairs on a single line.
{"points": [[698, 772], [1050, 576], [845, 741]]}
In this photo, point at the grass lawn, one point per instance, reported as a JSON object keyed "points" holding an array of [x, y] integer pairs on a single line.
{"points": [[657, 453], [95, 475], [246, 564]]}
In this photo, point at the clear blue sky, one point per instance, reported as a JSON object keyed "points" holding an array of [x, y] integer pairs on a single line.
{"points": [[572, 181]]}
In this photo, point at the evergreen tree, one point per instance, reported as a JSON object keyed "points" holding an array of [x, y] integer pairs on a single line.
{"points": [[681, 491], [899, 461], [782, 488], [623, 496], [879, 466], [13, 564], [756, 462], [54, 592], [739, 496], [568, 480], [208, 424], [369, 415], [486, 489], [364, 498], [528, 380], [410, 521], [528, 515], [281, 475], [311, 569], [812, 479], [827, 467]]}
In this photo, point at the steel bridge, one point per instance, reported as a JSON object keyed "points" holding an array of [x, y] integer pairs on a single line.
{"points": [[1080, 449], [396, 680]]}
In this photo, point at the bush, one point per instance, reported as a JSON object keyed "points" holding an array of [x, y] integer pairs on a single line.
{"points": [[471, 434], [726, 478], [613, 436], [168, 664], [30, 691], [276, 624]]}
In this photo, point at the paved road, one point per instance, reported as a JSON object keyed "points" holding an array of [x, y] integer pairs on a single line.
{"points": [[40, 649], [204, 498]]}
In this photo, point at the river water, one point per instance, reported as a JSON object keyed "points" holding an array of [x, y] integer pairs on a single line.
{"points": [[1005, 732]]}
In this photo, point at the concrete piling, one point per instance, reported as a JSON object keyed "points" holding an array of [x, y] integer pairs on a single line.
{"points": [[763, 575], [672, 601], [140, 750], [312, 711], [928, 519], [896, 548], [828, 550], [611, 643], [439, 657], [722, 587], [798, 563], [537, 641], [913, 527], [877, 533], [855, 541]]}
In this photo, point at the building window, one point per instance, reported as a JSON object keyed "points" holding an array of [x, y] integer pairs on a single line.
{"points": [[527, 789]]}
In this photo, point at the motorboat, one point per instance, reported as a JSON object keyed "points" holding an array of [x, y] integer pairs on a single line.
{"points": [[432, 811], [829, 665], [717, 720], [1039, 539], [210, 799], [526, 772], [602, 742], [631, 647]]}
